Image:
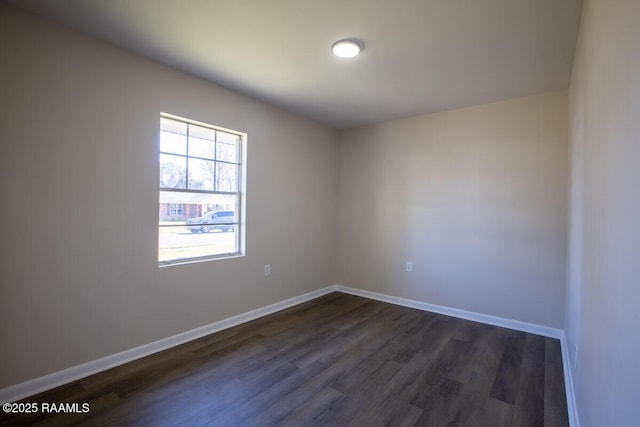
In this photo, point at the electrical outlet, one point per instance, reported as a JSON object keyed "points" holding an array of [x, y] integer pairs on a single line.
{"points": [[409, 267], [267, 270]]}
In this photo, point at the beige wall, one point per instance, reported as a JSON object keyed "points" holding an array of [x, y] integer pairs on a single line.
{"points": [[79, 173], [476, 198], [602, 316]]}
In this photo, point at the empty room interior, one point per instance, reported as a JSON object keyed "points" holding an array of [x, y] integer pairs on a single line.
{"points": [[410, 212]]}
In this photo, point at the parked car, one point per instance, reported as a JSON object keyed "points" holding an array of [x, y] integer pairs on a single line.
{"points": [[219, 220]]}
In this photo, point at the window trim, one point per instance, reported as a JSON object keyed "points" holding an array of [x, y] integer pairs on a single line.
{"points": [[240, 192]]}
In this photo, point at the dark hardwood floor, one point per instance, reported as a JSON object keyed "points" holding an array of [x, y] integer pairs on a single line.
{"points": [[339, 360]]}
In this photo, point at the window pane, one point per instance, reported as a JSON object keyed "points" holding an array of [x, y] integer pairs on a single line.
{"points": [[227, 148], [173, 136], [226, 177], [197, 163], [173, 171], [201, 174], [209, 226], [202, 142]]}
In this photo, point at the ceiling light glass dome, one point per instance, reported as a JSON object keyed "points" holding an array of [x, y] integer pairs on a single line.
{"points": [[347, 48]]}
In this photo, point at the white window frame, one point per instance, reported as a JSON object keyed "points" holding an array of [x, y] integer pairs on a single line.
{"points": [[240, 193]]}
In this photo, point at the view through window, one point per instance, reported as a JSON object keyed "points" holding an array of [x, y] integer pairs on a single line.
{"points": [[200, 191]]}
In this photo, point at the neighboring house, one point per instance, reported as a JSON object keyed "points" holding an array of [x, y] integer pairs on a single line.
{"points": [[180, 211], [176, 206]]}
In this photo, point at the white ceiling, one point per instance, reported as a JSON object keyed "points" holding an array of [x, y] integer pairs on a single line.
{"points": [[421, 56]]}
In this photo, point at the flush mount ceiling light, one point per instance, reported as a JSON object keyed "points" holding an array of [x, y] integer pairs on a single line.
{"points": [[347, 48]]}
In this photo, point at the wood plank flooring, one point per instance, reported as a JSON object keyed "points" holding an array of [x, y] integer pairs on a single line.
{"points": [[338, 360]]}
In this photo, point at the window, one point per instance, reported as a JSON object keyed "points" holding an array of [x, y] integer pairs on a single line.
{"points": [[176, 209], [201, 191]]}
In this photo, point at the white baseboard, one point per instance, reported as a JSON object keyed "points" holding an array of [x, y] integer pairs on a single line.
{"points": [[47, 382], [572, 407], [454, 312]]}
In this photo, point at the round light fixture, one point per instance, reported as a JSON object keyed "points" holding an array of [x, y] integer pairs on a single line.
{"points": [[347, 48]]}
